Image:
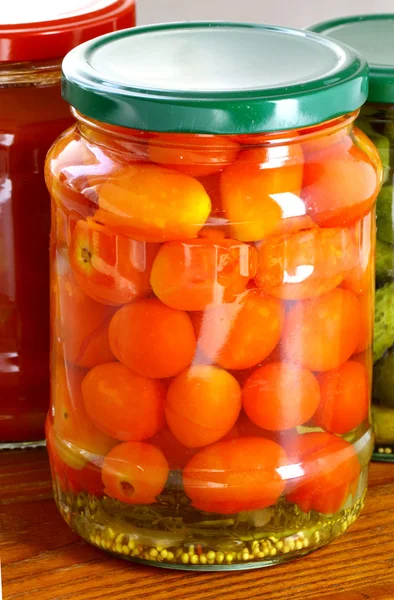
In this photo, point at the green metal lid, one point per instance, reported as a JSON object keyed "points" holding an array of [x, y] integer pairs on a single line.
{"points": [[373, 36], [220, 78]]}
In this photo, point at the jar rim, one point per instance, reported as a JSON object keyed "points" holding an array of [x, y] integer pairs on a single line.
{"points": [[133, 78]]}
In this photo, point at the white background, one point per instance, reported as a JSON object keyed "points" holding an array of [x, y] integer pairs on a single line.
{"points": [[295, 13]]}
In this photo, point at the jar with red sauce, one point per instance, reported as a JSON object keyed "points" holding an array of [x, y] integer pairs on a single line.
{"points": [[34, 37], [211, 304]]}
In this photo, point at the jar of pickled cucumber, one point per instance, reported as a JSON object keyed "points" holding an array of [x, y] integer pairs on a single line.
{"points": [[373, 35], [34, 38], [212, 294]]}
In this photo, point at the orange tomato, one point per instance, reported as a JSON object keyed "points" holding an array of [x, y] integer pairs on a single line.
{"points": [[365, 338], [193, 154], [122, 404], [202, 405], [332, 145], [267, 399], [359, 279], [241, 334], [330, 471], [153, 204], [135, 473], [111, 269], [191, 275], [344, 398], [86, 479], [77, 440], [235, 475], [306, 264], [261, 189], [83, 326], [152, 339], [322, 333], [339, 190]]}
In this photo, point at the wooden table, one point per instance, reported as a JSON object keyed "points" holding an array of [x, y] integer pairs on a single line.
{"points": [[43, 560]]}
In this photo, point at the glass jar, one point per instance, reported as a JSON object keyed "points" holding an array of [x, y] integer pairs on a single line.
{"points": [[32, 115], [372, 36], [212, 295]]}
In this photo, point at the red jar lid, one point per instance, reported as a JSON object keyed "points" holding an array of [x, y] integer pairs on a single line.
{"points": [[34, 30]]}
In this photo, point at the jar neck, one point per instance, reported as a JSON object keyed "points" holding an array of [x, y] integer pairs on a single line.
{"points": [[96, 130], [23, 74]]}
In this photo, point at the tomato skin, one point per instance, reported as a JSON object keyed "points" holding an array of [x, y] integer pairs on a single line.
{"points": [[77, 440], [130, 204], [87, 479], [359, 279], [195, 155], [241, 334], [339, 190], [330, 471], [322, 333], [122, 404], [152, 339], [111, 269], [191, 275], [325, 255], [202, 405], [268, 403], [135, 473], [83, 325], [344, 398], [235, 475], [249, 186]]}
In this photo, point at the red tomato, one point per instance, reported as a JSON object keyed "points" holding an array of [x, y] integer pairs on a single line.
{"points": [[365, 339], [87, 479], [268, 403], [122, 404], [135, 473], [344, 398], [259, 190], [306, 264], [235, 475], [82, 325], [360, 279], [241, 334], [203, 404], [339, 190], [78, 440], [152, 339], [322, 333], [193, 154], [329, 472], [111, 269], [191, 275]]}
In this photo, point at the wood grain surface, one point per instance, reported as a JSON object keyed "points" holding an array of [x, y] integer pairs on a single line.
{"points": [[43, 560]]}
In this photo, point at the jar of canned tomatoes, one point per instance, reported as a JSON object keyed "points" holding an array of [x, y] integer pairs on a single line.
{"points": [[34, 37], [372, 35], [212, 294]]}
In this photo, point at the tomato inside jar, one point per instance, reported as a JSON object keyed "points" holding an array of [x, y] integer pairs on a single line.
{"points": [[211, 301], [34, 39]]}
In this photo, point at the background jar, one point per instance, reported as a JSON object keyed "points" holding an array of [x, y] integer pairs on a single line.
{"points": [[212, 295], [34, 40], [372, 36]]}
